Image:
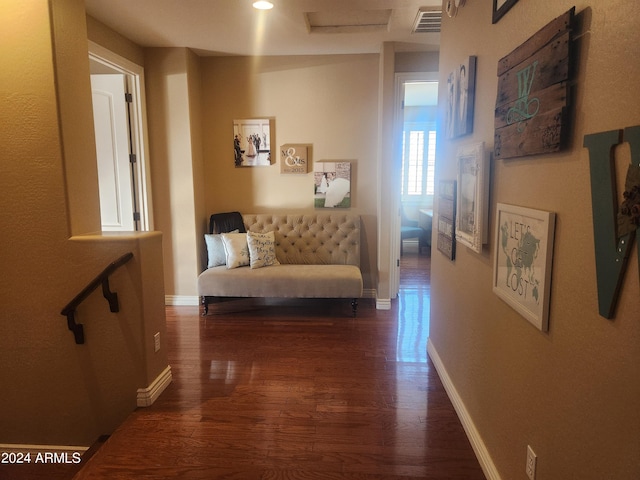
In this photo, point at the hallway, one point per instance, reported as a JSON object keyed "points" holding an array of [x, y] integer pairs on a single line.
{"points": [[297, 389]]}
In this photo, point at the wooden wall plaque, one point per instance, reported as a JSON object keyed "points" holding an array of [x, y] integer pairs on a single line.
{"points": [[531, 103]]}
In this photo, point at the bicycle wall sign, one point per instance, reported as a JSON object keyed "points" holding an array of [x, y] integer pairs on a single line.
{"points": [[294, 158], [531, 114]]}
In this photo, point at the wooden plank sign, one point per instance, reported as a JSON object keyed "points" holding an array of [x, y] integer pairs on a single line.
{"points": [[531, 103]]}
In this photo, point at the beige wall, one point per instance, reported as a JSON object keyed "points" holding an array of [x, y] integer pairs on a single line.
{"points": [[192, 102], [175, 158], [416, 61], [329, 102], [185, 158], [54, 391], [388, 172], [99, 33], [572, 393]]}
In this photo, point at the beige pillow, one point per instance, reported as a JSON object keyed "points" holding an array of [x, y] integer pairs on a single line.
{"points": [[262, 249], [236, 250]]}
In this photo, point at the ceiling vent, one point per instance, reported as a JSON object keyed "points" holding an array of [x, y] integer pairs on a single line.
{"points": [[348, 21], [428, 20]]}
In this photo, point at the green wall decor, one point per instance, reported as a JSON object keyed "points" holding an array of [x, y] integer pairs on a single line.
{"points": [[531, 103], [612, 251]]}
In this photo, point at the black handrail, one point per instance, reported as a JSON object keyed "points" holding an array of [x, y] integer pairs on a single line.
{"points": [[112, 297]]}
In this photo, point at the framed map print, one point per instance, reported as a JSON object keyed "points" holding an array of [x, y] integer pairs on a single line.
{"points": [[523, 259]]}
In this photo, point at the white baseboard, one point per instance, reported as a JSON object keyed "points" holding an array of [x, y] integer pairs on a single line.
{"points": [[383, 304], [369, 293], [182, 300], [146, 396], [480, 449]]}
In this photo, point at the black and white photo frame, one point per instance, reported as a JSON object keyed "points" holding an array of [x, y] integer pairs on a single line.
{"points": [[461, 89]]}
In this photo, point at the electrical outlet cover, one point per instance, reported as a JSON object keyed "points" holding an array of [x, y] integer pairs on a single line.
{"points": [[531, 463]]}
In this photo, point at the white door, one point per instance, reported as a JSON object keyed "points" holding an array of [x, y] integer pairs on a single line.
{"points": [[112, 146]]}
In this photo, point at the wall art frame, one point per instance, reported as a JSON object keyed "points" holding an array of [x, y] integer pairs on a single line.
{"points": [[472, 216], [446, 219], [532, 100], [523, 261], [332, 184], [295, 158], [252, 141], [500, 7], [461, 92]]}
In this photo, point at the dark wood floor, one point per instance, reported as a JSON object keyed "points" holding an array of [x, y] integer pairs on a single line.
{"points": [[297, 390]]}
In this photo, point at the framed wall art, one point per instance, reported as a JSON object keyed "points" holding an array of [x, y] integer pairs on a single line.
{"points": [[332, 184], [446, 240], [532, 101], [294, 158], [523, 259], [461, 88], [500, 7], [252, 140], [472, 216]]}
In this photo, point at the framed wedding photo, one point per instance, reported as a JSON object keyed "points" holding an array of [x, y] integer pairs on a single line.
{"points": [[252, 140]]}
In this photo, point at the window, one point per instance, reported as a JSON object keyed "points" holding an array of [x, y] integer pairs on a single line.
{"points": [[418, 159]]}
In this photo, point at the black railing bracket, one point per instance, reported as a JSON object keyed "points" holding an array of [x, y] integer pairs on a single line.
{"points": [[102, 279]]}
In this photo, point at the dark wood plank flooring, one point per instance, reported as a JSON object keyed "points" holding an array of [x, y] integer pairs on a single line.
{"points": [[297, 390]]}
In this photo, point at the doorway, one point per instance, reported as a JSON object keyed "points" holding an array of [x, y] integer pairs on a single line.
{"points": [[121, 145], [415, 147]]}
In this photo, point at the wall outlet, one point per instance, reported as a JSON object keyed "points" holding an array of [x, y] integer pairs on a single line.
{"points": [[531, 463], [156, 341]]}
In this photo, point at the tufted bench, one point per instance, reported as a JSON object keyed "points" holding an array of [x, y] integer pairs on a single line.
{"points": [[318, 255]]}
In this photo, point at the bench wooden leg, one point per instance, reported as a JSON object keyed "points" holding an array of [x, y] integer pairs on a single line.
{"points": [[354, 306], [205, 304]]}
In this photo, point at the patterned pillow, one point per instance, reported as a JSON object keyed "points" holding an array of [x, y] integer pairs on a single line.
{"points": [[262, 249], [236, 250], [215, 249]]}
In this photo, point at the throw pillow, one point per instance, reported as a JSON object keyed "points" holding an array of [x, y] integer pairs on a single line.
{"points": [[236, 250], [262, 249], [215, 249]]}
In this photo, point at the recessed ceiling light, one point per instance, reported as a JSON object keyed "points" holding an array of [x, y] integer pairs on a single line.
{"points": [[263, 5]]}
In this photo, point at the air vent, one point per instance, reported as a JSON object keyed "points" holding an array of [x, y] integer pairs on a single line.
{"points": [[346, 21], [428, 20]]}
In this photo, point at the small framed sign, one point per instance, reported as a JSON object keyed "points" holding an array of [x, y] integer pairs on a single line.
{"points": [[294, 158], [522, 261]]}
